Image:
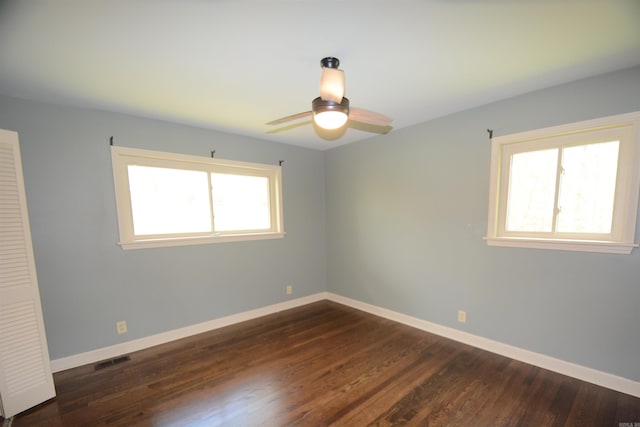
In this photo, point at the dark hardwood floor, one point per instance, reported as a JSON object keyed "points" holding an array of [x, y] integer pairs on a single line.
{"points": [[325, 364]]}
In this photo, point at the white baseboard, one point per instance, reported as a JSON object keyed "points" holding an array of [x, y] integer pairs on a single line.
{"points": [[583, 373], [165, 337]]}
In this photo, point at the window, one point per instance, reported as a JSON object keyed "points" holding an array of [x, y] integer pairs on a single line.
{"points": [[570, 187], [166, 199]]}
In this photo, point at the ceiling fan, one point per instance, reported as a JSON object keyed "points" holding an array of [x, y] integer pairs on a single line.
{"points": [[331, 109]]}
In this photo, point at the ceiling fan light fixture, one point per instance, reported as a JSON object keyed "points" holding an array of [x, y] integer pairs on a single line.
{"points": [[328, 114]]}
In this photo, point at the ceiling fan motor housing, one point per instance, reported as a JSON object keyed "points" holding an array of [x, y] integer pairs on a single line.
{"points": [[329, 114], [320, 105]]}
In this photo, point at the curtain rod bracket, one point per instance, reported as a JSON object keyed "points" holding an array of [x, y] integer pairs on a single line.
{"points": [[490, 133], [111, 141], [280, 162], [213, 153]]}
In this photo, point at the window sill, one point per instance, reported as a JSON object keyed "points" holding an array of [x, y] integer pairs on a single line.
{"points": [[563, 245], [200, 240]]}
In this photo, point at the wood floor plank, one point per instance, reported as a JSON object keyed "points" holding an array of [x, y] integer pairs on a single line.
{"points": [[324, 364], [374, 403], [508, 399]]}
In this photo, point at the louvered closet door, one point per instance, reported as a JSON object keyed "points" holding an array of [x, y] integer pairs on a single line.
{"points": [[25, 370]]}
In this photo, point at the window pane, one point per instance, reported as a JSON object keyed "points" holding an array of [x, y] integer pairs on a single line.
{"points": [[240, 202], [587, 188], [169, 201], [532, 184]]}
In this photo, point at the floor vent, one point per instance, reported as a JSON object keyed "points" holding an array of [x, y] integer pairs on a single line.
{"points": [[111, 362]]}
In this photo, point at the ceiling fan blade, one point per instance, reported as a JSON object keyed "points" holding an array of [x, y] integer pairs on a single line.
{"points": [[289, 127], [366, 116], [368, 127], [289, 118], [332, 85]]}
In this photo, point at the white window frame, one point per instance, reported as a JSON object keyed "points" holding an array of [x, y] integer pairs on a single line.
{"points": [[626, 129], [122, 157]]}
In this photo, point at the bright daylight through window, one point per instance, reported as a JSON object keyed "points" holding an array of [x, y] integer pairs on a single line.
{"points": [[166, 199], [571, 187]]}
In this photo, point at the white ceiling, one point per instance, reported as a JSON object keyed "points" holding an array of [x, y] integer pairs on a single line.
{"points": [[235, 65]]}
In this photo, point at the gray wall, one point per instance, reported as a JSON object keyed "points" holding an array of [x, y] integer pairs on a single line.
{"points": [[406, 214], [87, 282]]}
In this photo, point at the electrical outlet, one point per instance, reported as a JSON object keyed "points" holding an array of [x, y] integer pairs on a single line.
{"points": [[121, 327], [462, 316], [289, 290]]}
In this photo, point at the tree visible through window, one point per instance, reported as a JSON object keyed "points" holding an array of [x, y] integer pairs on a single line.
{"points": [[570, 187]]}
